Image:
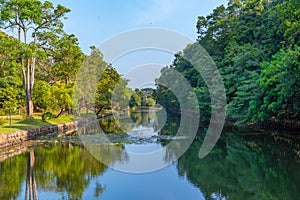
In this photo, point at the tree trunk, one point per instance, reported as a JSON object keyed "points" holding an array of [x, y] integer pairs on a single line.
{"points": [[99, 110], [67, 79], [29, 104], [10, 119], [86, 111], [28, 68], [31, 186], [61, 111]]}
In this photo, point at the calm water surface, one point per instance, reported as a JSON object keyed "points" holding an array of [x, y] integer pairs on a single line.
{"points": [[239, 167]]}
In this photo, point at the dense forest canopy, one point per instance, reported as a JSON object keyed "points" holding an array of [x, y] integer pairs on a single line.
{"points": [[255, 45]]}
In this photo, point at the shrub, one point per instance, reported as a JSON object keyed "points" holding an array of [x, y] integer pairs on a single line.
{"points": [[48, 115]]}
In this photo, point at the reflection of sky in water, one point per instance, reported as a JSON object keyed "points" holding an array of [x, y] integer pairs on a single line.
{"points": [[142, 132], [142, 148], [162, 184]]}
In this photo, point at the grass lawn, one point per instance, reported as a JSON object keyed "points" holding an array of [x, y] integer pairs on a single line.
{"points": [[18, 123]]}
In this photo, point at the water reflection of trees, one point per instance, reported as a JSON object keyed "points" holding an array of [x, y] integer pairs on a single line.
{"points": [[12, 174], [65, 169], [31, 192], [123, 124], [147, 118], [237, 168]]}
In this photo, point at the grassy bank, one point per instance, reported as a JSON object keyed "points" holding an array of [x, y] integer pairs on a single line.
{"points": [[19, 123]]}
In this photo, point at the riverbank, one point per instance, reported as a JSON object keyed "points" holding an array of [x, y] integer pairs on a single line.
{"points": [[20, 122], [20, 136], [290, 127]]}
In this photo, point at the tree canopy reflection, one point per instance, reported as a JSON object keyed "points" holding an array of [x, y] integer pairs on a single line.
{"points": [[252, 167]]}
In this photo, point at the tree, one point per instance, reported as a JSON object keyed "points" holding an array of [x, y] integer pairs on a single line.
{"points": [[62, 97], [121, 96], [255, 45], [11, 101], [68, 57], [42, 95], [135, 99], [10, 75], [64, 58], [287, 15], [280, 85], [86, 81], [30, 18], [106, 85]]}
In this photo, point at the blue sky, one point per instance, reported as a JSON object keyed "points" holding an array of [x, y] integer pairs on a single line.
{"points": [[94, 21]]}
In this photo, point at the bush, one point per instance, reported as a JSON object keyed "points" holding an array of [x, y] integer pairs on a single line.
{"points": [[48, 115]]}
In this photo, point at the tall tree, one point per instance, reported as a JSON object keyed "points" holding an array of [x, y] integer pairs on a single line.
{"points": [[29, 18], [64, 57], [86, 81], [105, 87]]}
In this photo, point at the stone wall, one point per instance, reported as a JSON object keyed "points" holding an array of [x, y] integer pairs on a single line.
{"points": [[14, 138]]}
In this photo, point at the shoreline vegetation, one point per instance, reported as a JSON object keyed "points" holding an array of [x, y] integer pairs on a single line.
{"points": [[254, 44], [22, 123], [20, 141], [30, 128]]}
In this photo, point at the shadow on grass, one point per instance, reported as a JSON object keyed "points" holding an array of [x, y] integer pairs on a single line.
{"points": [[27, 124], [20, 127]]}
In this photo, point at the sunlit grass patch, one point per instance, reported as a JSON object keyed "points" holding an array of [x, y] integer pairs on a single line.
{"points": [[18, 123]]}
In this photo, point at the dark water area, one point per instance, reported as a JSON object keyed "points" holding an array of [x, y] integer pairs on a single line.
{"points": [[240, 166]]}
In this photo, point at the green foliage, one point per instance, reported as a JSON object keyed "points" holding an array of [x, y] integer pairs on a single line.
{"points": [[30, 18], [97, 84], [255, 45], [149, 102], [10, 102], [48, 115], [64, 57], [143, 98], [68, 57], [86, 81], [42, 95], [62, 96], [105, 88], [121, 96], [168, 99], [42, 62], [280, 85], [10, 76], [134, 101], [56, 98]]}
